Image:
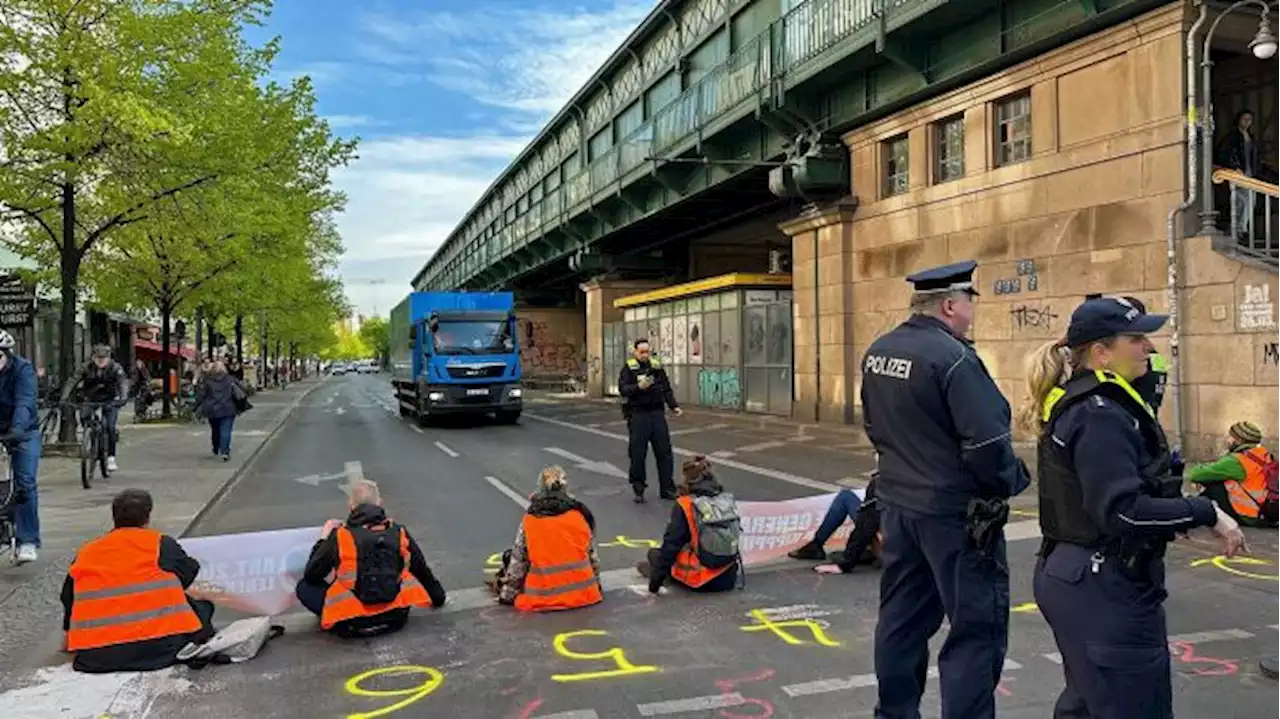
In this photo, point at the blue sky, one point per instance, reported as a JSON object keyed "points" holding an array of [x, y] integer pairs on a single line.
{"points": [[443, 94]]}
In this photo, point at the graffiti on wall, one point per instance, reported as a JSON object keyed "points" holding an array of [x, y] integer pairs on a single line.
{"points": [[1256, 310], [1025, 269], [549, 350], [719, 387], [1271, 354], [1025, 317]]}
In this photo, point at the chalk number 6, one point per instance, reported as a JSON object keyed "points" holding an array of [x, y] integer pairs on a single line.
{"points": [[432, 681]]}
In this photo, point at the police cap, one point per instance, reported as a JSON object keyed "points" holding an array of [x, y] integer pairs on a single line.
{"points": [[956, 277], [1104, 317]]}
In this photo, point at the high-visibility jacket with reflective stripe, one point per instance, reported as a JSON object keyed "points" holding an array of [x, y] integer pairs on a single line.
{"points": [[688, 569], [560, 573], [122, 595], [340, 603], [1247, 497]]}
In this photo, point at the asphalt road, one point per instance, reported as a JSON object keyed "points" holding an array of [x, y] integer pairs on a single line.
{"points": [[456, 487]]}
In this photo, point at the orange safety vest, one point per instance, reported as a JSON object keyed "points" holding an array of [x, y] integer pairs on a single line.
{"points": [[688, 569], [121, 594], [340, 603], [1247, 498], [560, 573]]}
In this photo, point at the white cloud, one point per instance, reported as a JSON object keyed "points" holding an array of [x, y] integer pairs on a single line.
{"points": [[407, 193], [340, 122]]}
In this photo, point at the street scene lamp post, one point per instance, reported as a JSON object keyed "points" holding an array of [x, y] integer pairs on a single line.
{"points": [[1263, 46]]}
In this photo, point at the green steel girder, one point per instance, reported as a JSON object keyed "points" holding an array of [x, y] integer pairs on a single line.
{"points": [[931, 54]]}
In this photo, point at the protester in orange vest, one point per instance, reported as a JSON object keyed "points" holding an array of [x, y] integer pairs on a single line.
{"points": [[1243, 481], [125, 608], [379, 570], [553, 564], [685, 555]]}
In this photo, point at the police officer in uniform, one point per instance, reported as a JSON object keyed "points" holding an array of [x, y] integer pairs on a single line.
{"points": [[1151, 384], [1108, 507], [646, 392], [941, 430]]}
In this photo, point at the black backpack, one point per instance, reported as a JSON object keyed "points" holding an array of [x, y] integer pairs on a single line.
{"points": [[378, 563]]}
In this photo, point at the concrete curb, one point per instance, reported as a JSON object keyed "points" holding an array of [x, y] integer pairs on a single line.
{"points": [[249, 461]]}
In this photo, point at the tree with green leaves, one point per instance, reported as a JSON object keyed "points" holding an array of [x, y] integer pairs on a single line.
{"points": [[374, 333]]}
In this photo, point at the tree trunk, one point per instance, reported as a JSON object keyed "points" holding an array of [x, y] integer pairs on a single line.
{"points": [[166, 316], [293, 371], [240, 340], [70, 276], [199, 337], [213, 334]]}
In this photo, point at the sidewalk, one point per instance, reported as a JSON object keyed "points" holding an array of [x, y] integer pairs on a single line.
{"points": [[172, 461]]}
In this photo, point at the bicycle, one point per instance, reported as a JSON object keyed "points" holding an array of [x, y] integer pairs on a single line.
{"points": [[9, 500], [93, 441]]}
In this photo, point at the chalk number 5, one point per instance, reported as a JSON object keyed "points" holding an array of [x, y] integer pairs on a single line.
{"points": [[624, 667]]}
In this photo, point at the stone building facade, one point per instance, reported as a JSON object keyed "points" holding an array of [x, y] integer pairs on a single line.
{"points": [[1057, 176]]}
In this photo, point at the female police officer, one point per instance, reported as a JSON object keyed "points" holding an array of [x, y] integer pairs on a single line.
{"points": [[1108, 507]]}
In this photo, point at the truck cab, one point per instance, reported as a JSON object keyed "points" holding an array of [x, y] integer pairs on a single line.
{"points": [[465, 360]]}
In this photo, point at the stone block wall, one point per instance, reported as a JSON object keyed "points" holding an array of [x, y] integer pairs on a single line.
{"points": [[1085, 212], [553, 342]]}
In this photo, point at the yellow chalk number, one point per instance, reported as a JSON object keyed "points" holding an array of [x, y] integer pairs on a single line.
{"points": [[615, 655], [433, 680]]}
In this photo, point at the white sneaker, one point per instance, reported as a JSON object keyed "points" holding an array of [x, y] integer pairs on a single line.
{"points": [[111, 464], [27, 553]]}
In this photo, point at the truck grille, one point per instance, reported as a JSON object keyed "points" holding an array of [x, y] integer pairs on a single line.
{"points": [[465, 372]]}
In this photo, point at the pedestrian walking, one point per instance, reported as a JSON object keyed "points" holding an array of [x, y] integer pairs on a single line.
{"points": [[646, 393], [1109, 505], [219, 398], [940, 428]]}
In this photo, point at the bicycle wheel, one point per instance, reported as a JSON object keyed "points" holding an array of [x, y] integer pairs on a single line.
{"points": [[102, 452], [87, 456]]}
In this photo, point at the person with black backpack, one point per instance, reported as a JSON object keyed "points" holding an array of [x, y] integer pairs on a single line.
{"points": [[380, 571], [700, 548]]}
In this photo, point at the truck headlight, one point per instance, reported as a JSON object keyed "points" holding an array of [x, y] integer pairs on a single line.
{"points": [[435, 396], [516, 392]]}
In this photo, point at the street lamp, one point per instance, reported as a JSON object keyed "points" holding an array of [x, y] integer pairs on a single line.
{"points": [[1263, 47]]}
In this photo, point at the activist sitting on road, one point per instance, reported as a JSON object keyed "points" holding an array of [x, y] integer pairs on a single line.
{"points": [[552, 565], [1243, 481], [380, 571], [125, 608], [863, 545], [700, 546]]}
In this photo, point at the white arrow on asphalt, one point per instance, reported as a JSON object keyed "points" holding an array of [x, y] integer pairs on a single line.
{"points": [[351, 471], [590, 465], [340, 411]]}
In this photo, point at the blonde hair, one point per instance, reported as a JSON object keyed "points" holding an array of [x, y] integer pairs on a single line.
{"points": [[1049, 366], [552, 478], [364, 491]]}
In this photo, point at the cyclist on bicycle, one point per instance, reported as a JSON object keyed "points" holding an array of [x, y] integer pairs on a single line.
{"points": [[20, 432], [104, 381]]}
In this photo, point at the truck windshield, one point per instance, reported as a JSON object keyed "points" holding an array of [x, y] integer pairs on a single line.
{"points": [[464, 338]]}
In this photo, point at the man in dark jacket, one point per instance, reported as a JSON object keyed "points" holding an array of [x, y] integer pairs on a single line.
{"points": [[20, 431], [131, 513], [646, 392], [366, 511], [104, 381]]}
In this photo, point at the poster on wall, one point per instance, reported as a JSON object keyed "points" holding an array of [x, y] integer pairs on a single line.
{"points": [[695, 339], [666, 347], [680, 332]]}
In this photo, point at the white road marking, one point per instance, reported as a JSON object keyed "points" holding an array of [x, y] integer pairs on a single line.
{"points": [[511, 493], [801, 438], [760, 446], [1054, 657], [601, 467], [1211, 636], [692, 704], [722, 453], [61, 691], [353, 471], [566, 454], [857, 681], [446, 449], [575, 714], [694, 430], [416, 428]]}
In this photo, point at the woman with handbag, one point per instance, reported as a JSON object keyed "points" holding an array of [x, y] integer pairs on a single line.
{"points": [[220, 397]]}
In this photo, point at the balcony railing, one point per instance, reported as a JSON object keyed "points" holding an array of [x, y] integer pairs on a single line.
{"points": [[799, 37], [1254, 206]]}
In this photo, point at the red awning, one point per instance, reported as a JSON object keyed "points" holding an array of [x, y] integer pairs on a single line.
{"points": [[187, 350]]}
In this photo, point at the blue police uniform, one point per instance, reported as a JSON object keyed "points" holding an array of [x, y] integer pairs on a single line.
{"points": [[1150, 386], [1108, 507], [940, 428]]}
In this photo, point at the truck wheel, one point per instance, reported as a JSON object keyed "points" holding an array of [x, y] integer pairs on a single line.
{"points": [[508, 417]]}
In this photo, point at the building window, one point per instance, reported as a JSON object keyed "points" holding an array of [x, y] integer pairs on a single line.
{"points": [[948, 149], [896, 175], [1013, 129]]}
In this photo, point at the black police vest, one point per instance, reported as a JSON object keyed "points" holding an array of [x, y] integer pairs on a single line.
{"points": [[1062, 513]]}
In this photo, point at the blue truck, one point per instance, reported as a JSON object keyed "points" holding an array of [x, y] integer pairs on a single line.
{"points": [[456, 353]]}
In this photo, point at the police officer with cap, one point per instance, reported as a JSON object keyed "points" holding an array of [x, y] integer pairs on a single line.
{"points": [[646, 392], [1151, 384], [1108, 507], [940, 428]]}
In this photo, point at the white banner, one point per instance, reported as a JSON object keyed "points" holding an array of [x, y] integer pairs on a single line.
{"points": [[256, 572]]}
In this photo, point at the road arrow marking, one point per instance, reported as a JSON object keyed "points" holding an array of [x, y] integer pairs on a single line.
{"points": [[605, 468], [351, 471]]}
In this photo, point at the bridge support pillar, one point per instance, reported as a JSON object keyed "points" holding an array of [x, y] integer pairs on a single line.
{"points": [[825, 358], [600, 294]]}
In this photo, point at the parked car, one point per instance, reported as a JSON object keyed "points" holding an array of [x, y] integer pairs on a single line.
{"points": [[338, 370], [370, 367]]}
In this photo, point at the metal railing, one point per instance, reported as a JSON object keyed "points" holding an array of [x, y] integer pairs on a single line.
{"points": [[799, 37], [1254, 206]]}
